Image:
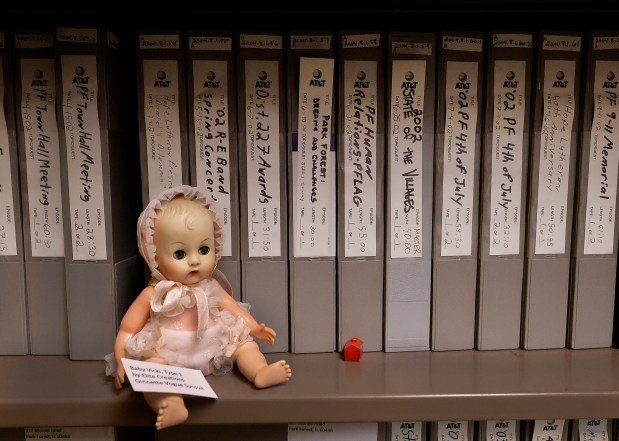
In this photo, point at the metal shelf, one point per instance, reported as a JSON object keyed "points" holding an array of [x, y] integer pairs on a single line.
{"points": [[429, 386]]}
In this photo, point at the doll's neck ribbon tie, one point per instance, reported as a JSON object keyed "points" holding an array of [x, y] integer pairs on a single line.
{"points": [[172, 298]]}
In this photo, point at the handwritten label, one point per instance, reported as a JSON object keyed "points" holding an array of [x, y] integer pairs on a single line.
{"points": [[259, 41], [461, 108], [408, 78], [8, 232], [411, 48], [83, 140], [333, 432], [40, 138], [320, 42], [152, 41], [603, 162], [407, 431], [70, 433], [507, 144], [512, 40], [561, 43], [593, 430], [360, 157], [501, 430], [554, 156], [263, 167], [77, 35], [210, 43], [453, 430], [154, 377], [548, 430], [313, 162], [162, 125], [34, 41], [605, 43], [469, 44], [212, 137], [352, 41]]}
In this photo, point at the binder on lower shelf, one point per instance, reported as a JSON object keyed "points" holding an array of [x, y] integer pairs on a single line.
{"points": [[456, 190], [213, 145], [262, 149], [162, 108], [312, 196], [499, 430], [13, 314], [545, 430], [594, 256], [593, 429], [410, 161], [101, 189], [360, 251], [551, 190], [503, 194], [406, 431], [459, 430], [41, 190]]}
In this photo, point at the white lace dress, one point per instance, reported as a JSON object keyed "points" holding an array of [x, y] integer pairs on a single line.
{"points": [[208, 348]]}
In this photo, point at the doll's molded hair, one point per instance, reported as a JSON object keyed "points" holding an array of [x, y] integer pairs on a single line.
{"points": [[146, 223]]}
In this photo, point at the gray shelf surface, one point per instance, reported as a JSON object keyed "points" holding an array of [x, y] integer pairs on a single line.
{"points": [[429, 386]]}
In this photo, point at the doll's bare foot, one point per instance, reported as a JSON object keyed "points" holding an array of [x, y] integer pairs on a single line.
{"points": [[273, 374], [171, 412]]}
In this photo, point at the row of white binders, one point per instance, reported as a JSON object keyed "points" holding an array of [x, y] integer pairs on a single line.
{"points": [[442, 191]]}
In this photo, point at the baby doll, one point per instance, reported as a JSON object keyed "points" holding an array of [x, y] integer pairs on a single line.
{"points": [[184, 317]]}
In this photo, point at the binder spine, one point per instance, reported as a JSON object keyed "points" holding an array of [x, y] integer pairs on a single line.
{"points": [[409, 191], [456, 190], [213, 143], [262, 149], [312, 195], [504, 189], [551, 177], [360, 203], [41, 191], [12, 273]]}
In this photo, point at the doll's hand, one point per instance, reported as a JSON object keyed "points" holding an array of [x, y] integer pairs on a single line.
{"points": [[264, 333], [120, 377]]}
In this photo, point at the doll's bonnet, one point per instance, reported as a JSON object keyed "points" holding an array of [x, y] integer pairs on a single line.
{"points": [[146, 223]]}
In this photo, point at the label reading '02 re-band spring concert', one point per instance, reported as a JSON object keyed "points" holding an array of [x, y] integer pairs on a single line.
{"points": [[212, 138]]}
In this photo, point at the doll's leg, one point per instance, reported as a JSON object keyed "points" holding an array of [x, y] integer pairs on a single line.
{"points": [[170, 408], [254, 367]]}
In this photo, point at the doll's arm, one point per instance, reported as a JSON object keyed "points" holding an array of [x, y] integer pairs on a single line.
{"points": [[133, 321], [258, 330]]}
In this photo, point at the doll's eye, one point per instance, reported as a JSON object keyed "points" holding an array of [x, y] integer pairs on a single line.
{"points": [[204, 250], [179, 254]]}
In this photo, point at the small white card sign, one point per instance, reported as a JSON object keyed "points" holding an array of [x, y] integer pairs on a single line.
{"points": [[69, 433], [154, 377], [333, 431]]}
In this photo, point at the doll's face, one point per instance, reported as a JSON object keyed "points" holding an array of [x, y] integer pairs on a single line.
{"points": [[184, 240]]}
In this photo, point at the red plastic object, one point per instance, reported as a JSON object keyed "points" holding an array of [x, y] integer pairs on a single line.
{"points": [[353, 349]]}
